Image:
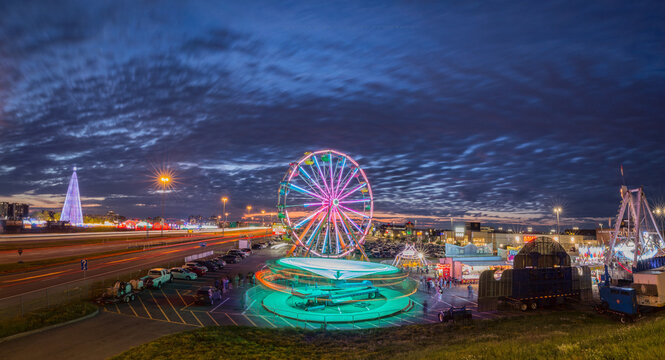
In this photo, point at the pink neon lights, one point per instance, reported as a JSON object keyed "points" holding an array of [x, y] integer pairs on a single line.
{"points": [[314, 224]]}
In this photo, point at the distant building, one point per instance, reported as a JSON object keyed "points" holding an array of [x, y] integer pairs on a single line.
{"points": [[13, 211]]}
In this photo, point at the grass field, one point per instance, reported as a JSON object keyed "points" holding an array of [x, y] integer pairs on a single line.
{"points": [[45, 317], [549, 335]]}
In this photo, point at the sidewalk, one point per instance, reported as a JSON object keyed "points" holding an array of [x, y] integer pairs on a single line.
{"points": [[101, 337]]}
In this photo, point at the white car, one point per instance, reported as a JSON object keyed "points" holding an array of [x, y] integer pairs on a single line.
{"points": [[183, 274]]}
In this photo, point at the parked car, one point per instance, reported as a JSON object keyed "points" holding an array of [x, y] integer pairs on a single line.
{"points": [[203, 264], [237, 252], [195, 264], [183, 274], [256, 246], [247, 251], [159, 276], [208, 295], [219, 261], [208, 264], [232, 258], [195, 269]]}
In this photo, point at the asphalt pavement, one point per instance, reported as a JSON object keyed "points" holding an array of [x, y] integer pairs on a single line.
{"points": [[24, 283]]}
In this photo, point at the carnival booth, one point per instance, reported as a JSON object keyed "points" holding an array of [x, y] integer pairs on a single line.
{"points": [[465, 264], [410, 258]]}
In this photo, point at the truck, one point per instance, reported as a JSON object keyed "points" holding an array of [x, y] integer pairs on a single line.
{"points": [[158, 277], [618, 301]]}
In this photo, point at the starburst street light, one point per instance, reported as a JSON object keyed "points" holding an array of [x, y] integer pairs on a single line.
{"points": [[164, 180], [557, 211]]}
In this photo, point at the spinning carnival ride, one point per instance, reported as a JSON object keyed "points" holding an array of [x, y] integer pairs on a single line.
{"points": [[325, 202], [635, 237]]}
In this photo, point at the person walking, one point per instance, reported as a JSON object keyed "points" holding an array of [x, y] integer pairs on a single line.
{"points": [[470, 290], [425, 305], [235, 281]]}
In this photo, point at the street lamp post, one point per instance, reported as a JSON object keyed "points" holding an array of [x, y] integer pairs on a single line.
{"points": [[224, 200], [165, 183], [249, 209], [226, 219], [263, 221], [557, 211]]}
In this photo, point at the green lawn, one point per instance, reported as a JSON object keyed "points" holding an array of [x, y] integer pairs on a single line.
{"points": [[549, 335], [45, 317]]}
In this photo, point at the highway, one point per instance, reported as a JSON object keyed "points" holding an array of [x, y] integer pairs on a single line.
{"points": [[12, 238], [36, 248], [12, 285]]}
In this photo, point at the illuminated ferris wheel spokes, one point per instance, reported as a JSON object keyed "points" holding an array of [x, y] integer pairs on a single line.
{"points": [[325, 201]]}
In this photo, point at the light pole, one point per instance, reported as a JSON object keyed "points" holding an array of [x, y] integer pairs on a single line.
{"points": [[263, 222], [226, 219], [659, 214], [557, 211], [224, 200], [249, 209], [165, 183]]}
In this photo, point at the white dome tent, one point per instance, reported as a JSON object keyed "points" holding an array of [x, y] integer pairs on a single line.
{"points": [[410, 257]]}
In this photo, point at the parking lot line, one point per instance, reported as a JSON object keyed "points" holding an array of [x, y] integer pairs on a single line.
{"points": [[197, 319], [220, 304], [172, 307], [212, 318], [134, 311], [249, 307], [181, 298], [250, 320], [233, 321], [145, 318], [283, 319], [117, 308], [145, 308], [160, 308], [268, 321], [457, 296]]}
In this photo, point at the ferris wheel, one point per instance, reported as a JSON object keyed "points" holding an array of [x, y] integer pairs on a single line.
{"points": [[326, 204]]}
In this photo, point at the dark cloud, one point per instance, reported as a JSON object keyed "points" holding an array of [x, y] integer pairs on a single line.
{"points": [[494, 111]]}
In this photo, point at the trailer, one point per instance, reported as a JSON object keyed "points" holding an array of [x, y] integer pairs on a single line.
{"points": [[120, 292], [542, 276]]}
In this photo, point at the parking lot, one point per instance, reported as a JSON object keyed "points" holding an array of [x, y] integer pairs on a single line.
{"points": [[175, 303]]}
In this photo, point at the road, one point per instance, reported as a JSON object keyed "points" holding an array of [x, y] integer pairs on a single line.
{"points": [[10, 238], [13, 285], [51, 248]]}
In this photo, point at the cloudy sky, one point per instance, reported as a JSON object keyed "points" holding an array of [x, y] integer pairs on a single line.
{"points": [[493, 111]]}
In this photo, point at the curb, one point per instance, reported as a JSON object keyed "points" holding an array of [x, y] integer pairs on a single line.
{"points": [[36, 331]]}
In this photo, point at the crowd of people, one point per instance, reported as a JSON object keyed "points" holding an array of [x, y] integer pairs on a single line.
{"points": [[226, 283]]}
